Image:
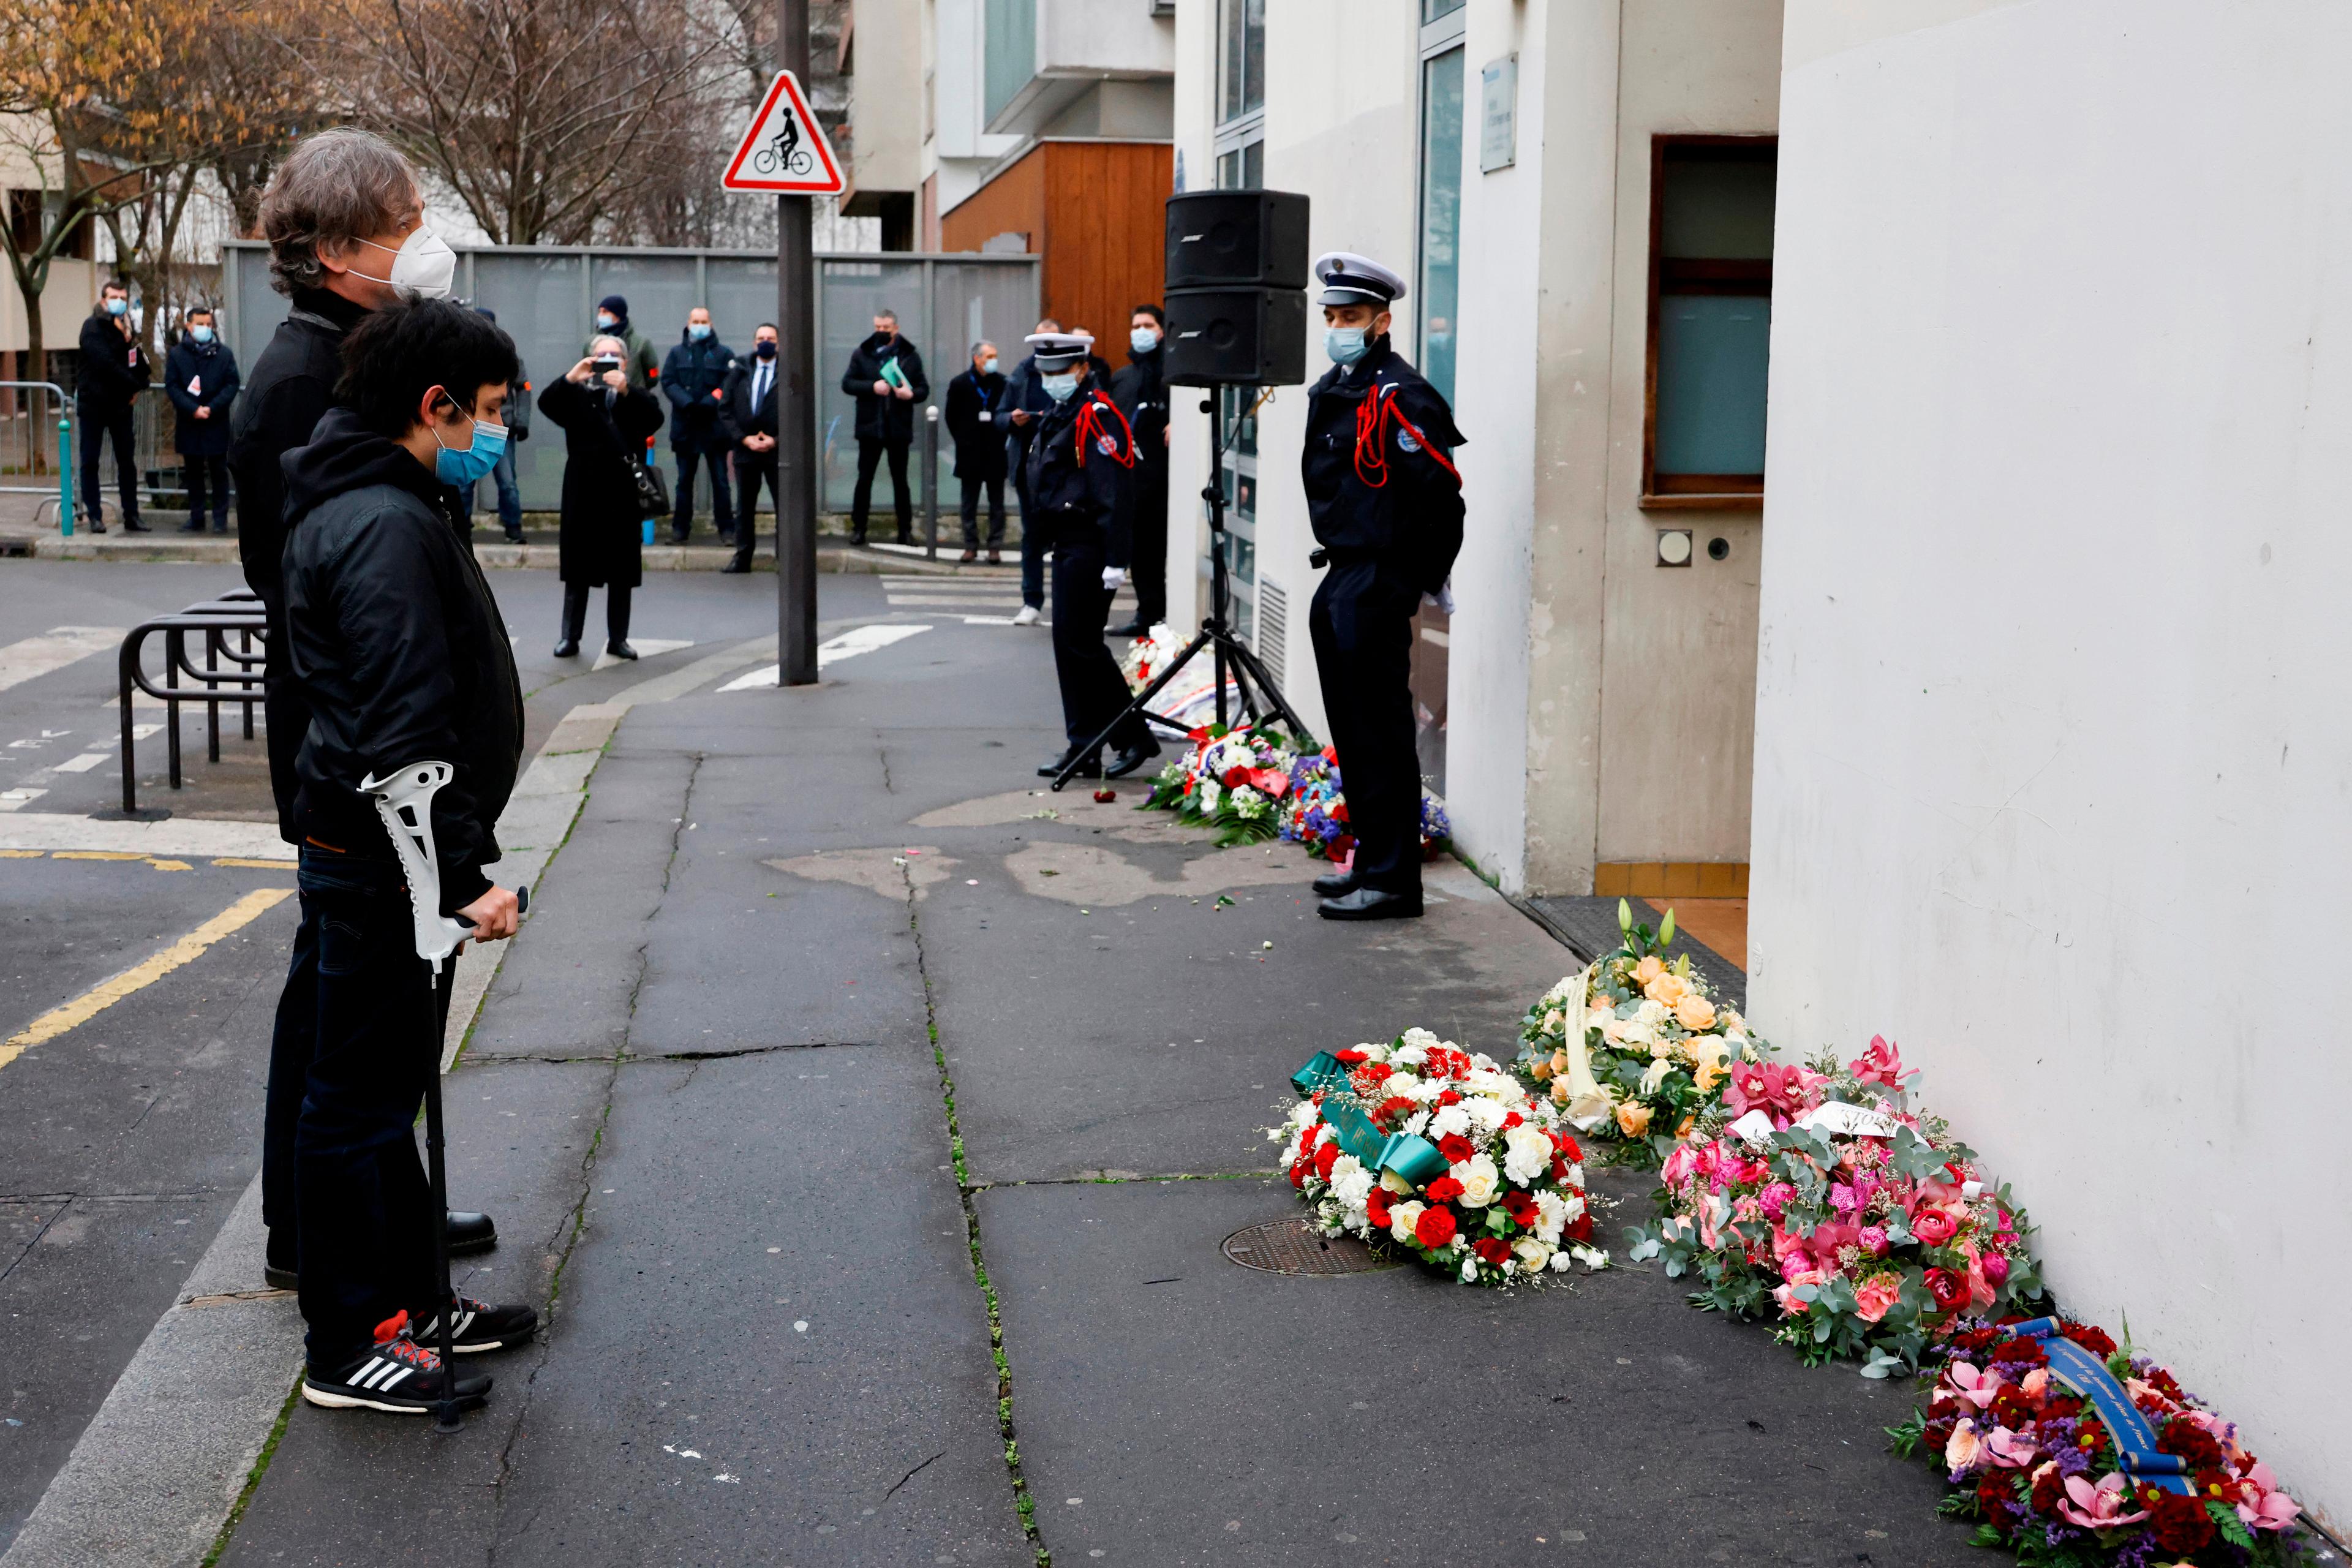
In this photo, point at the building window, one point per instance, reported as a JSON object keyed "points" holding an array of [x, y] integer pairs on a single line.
{"points": [[1439, 286], [1008, 51], [1240, 95], [1710, 320]]}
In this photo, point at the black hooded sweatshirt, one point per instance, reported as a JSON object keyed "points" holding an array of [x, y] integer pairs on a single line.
{"points": [[399, 650]]}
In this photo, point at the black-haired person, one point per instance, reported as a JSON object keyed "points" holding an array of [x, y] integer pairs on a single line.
{"points": [[401, 654], [1140, 390], [748, 419], [643, 366], [885, 377], [978, 448], [114, 371], [1079, 462], [199, 378], [605, 418], [502, 478]]}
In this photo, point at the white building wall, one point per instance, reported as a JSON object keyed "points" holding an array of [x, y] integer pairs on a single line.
{"points": [[2052, 760]]}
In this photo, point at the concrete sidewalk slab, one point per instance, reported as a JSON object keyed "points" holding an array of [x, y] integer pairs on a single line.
{"points": [[1175, 1408]]}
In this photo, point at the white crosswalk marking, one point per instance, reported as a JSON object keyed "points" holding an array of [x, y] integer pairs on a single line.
{"points": [[62, 646]]}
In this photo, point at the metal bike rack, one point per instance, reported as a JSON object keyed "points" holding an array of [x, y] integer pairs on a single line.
{"points": [[63, 489], [215, 622]]}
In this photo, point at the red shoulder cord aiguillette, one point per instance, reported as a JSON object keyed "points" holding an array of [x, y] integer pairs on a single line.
{"points": [[1090, 428], [1373, 417]]}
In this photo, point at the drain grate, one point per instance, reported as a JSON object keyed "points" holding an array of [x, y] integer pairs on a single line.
{"points": [[1295, 1246]]}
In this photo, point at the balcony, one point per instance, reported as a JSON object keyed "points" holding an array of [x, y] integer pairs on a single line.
{"points": [[1083, 67]]}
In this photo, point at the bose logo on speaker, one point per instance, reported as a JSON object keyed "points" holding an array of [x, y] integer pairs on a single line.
{"points": [[1191, 238]]}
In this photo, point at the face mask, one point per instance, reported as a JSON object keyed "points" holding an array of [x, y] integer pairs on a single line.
{"points": [[988, 365], [462, 466], [1143, 340], [1059, 387], [697, 331], [202, 334], [606, 320], [1345, 344], [117, 307], [422, 265], [766, 350]]}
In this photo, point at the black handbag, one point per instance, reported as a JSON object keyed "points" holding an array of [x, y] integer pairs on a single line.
{"points": [[653, 490]]}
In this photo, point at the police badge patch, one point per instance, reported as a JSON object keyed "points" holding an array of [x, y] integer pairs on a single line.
{"points": [[1405, 443], [1107, 447]]}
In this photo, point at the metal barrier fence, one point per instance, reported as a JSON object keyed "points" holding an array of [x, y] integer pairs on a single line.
{"points": [[545, 297], [36, 445]]}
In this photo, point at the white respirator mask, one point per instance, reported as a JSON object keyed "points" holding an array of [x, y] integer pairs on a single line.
{"points": [[424, 265]]}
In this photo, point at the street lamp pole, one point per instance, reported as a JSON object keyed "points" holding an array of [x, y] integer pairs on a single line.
{"points": [[796, 498]]}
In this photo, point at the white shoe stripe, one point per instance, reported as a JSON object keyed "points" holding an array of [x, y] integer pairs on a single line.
{"points": [[463, 1323], [370, 1373], [385, 1386]]}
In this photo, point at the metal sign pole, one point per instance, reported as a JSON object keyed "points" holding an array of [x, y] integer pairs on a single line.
{"points": [[796, 500]]}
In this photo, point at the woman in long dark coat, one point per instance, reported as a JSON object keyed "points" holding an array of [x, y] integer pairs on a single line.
{"points": [[602, 420]]}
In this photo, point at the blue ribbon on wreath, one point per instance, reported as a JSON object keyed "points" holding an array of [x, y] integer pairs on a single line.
{"points": [[2087, 1375], [1413, 1159]]}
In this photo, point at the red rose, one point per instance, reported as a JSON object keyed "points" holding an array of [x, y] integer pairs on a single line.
{"points": [[2022, 1352], [1351, 1056], [2090, 1336], [1444, 1189], [2048, 1491], [1435, 1228], [1949, 1289], [1326, 1157], [1235, 776], [1455, 1147], [1492, 1251], [2194, 1444], [2180, 1523]]}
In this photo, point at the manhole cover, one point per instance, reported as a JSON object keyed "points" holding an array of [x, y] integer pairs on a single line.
{"points": [[1295, 1246]]}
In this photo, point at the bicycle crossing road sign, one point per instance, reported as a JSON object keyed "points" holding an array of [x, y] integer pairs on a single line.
{"points": [[785, 151]]}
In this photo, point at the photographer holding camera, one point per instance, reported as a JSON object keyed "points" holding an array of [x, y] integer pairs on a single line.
{"points": [[605, 419]]}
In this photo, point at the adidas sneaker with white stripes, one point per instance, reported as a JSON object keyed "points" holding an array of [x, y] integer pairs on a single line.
{"points": [[477, 1326], [397, 1375]]}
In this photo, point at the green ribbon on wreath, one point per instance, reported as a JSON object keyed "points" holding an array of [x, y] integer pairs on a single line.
{"points": [[1415, 1158]]}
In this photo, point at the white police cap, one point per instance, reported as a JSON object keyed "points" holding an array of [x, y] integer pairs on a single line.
{"points": [[1351, 279], [1059, 351]]}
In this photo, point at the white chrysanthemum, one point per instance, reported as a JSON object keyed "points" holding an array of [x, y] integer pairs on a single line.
{"points": [[1351, 1182], [1574, 1205], [1304, 1114], [1402, 1217], [1486, 1115], [1325, 1134], [1409, 1055], [1552, 1217], [1575, 1179], [1419, 1039], [1417, 1123], [1533, 1254], [1208, 797], [1527, 1154], [1450, 1121], [1481, 1182]]}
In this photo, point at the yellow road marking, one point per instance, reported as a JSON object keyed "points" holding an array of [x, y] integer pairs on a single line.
{"points": [[20, 854], [161, 863], [106, 992], [258, 865], [96, 855]]}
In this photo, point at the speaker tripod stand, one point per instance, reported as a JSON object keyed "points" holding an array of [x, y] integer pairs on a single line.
{"points": [[1233, 659]]}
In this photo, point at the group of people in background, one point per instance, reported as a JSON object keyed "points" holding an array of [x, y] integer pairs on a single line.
{"points": [[200, 379]]}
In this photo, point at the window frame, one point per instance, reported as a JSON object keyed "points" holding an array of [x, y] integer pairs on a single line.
{"points": [[1745, 279], [1447, 32]]}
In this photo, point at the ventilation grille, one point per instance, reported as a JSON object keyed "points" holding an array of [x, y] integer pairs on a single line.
{"points": [[1273, 628]]}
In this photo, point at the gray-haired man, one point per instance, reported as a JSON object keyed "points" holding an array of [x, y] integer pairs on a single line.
{"points": [[345, 222]]}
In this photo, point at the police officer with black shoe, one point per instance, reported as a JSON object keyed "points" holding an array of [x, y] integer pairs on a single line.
{"points": [[1386, 503], [1080, 465]]}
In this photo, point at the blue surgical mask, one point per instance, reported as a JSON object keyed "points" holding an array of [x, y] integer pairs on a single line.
{"points": [[988, 365], [202, 334], [1143, 340], [606, 320], [1059, 386], [1346, 345], [697, 331], [462, 466], [117, 307]]}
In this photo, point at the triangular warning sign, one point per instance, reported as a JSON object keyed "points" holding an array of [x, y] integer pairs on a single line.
{"points": [[785, 150]]}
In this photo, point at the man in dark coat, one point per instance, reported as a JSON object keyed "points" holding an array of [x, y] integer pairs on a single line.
{"points": [[694, 379], [1140, 390], [114, 371], [978, 448], [337, 206], [400, 649], [748, 419], [643, 364], [1386, 504], [885, 377], [502, 478], [1018, 407], [199, 378], [603, 419], [1079, 464]]}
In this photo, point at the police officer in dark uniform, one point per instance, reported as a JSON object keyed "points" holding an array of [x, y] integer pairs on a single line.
{"points": [[1386, 503], [1079, 465]]}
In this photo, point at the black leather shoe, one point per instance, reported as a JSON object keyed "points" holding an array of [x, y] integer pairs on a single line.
{"points": [[1134, 628], [733, 567], [676, 538], [194, 525], [1090, 769], [567, 647], [1370, 904], [619, 649], [468, 1234], [94, 524], [221, 527], [515, 537], [133, 525], [1337, 885], [1131, 758]]}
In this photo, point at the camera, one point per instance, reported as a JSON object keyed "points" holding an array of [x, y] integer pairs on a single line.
{"points": [[606, 363]]}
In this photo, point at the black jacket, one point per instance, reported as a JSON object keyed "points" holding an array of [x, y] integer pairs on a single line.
{"points": [[1079, 463], [399, 649], [600, 532], [690, 373], [1140, 390], [738, 417], [972, 425], [114, 368], [890, 419], [1022, 391], [291, 388], [213, 366], [1410, 508]]}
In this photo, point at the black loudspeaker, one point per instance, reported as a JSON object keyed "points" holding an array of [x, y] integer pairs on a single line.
{"points": [[1223, 237], [1245, 336]]}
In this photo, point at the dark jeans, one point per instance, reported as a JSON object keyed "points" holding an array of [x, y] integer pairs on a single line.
{"points": [[722, 505], [973, 485], [1093, 691], [360, 1025], [510, 495], [751, 469], [861, 500], [204, 472], [616, 612], [116, 424], [1361, 623], [1032, 547], [1149, 569]]}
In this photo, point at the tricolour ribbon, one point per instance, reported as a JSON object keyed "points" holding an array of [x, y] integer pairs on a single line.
{"points": [[2087, 1375], [1413, 1159]]}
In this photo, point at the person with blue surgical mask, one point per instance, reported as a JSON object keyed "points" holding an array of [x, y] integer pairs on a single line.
{"points": [[114, 372], [1140, 390], [1385, 500], [199, 378], [694, 381]]}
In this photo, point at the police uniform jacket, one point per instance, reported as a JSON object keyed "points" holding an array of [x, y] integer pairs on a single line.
{"points": [[1078, 470], [1378, 466]]}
